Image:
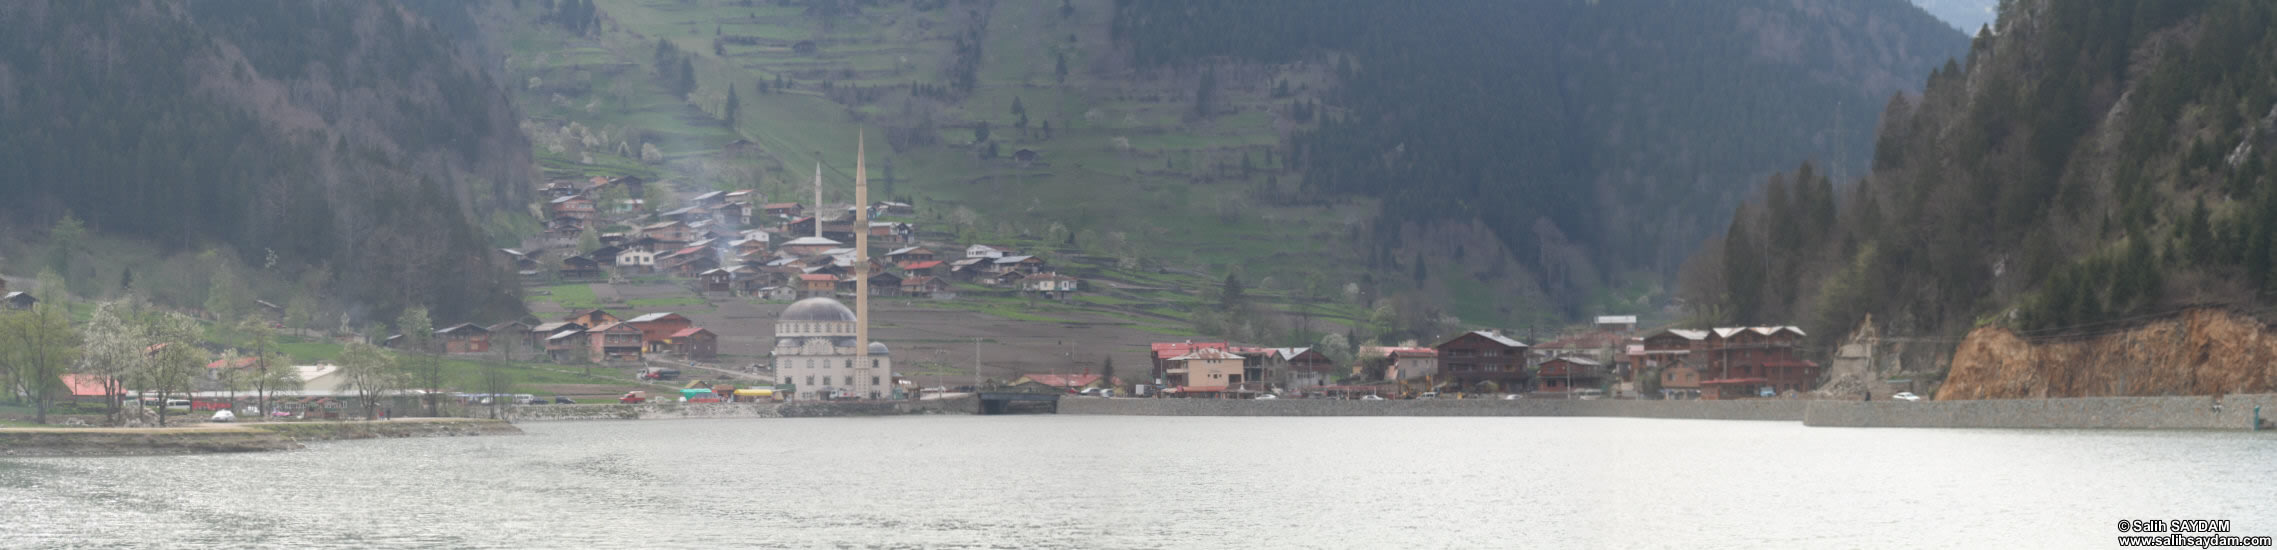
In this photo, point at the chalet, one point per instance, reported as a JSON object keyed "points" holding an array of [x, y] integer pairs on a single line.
{"points": [[517, 333], [885, 284], [614, 342], [693, 343], [640, 260], [673, 232], [968, 269], [1484, 361], [568, 345], [713, 198], [716, 280], [684, 260], [1050, 285], [1024, 264], [590, 318], [746, 280], [923, 285], [1306, 367], [655, 327], [750, 244], [464, 338], [986, 251], [782, 209], [804, 225], [580, 267], [743, 196], [1008, 279], [1744, 361], [928, 267], [1565, 374], [817, 284], [1205, 372], [574, 206], [734, 213], [564, 227], [909, 254], [808, 246]]}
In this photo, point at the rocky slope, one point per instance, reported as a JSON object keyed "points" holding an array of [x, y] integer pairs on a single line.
{"points": [[2202, 351]]}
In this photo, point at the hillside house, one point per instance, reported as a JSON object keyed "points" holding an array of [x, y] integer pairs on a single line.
{"points": [[590, 318], [1205, 372], [734, 214], [751, 243], [779, 293], [573, 206], [636, 260], [931, 268], [614, 342], [568, 345], [783, 209], [813, 285], [517, 333], [716, 280], [1409, 363], [1023, 264], [986, 251], [924, 286], [892, 232], [464, 338], [694, 343], [580, 267], [1485, 362], [809, 246], [656, 327], [1050, 285], [744, 196], [1008, 279], [673, 232], [883, 283], [909, 254], [969, 269]]}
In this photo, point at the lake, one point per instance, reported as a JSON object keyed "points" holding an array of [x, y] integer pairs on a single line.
{"points": [[1152, 482]]}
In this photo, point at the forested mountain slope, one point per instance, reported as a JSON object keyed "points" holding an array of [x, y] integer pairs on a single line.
{"points": [[2092, 163], [348, 135], [1594, 138]]}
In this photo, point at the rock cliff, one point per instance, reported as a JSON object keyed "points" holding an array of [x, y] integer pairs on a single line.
{"points": [[2204, 351]]}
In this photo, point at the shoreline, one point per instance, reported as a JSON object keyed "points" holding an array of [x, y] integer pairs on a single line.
{"points": [[206, 438]]}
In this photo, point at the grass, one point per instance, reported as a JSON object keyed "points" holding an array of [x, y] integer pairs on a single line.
{"points": [[570, 296], [675, 301]]}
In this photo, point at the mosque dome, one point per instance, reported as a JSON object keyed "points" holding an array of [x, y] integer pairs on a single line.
{"points": [[878, 348], [817, 309]]}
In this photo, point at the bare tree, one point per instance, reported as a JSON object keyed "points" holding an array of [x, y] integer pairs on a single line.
{"points": [[496, 381], [425, 354], [371, 373], [175, 361]]}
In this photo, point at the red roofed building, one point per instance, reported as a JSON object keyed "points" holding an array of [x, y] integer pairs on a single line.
{"points": [[1163, 351], [1741, 362], [1205, 372], [817, 285], [694, 343], [91, 387]]}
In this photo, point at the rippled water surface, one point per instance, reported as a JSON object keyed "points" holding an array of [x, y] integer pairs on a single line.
{"points": [[1132, 482]]}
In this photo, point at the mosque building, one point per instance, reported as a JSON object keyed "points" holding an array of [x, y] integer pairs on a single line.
{"points": [[814, 352]]}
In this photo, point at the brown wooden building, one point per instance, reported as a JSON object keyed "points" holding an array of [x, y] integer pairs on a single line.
{"points": [[1483, 361]]}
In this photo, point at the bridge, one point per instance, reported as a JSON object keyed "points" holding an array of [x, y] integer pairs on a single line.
{"points": [[1018, 403]]}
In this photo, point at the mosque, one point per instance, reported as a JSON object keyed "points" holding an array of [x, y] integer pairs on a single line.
{"points": [[814, 352]]}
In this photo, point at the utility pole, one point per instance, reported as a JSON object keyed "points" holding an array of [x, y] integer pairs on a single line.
{"points": [[976, 365]]}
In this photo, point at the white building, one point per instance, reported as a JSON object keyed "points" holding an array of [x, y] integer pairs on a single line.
{"points": [[637, 257], [984, 251], [814, 352]]}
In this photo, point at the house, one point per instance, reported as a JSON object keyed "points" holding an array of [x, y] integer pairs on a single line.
{"points": [[734, 213], [1564, 374], [568, 345], [464, 338], [893, 208], [1411, 363], [516, 332], [986, 251], [1024, 264], [590, 318], [779, 293], [714, 198], [693, 343], [745, 280], [1062, 383], [1008, 279], [909, 254], [656, 327], [1050, 285], [615, 342], [741, 196], [639, 260], [1162, 352], [783, 209], [884, 283], [1303, 367], [672, 232], [817, 284], [573, 206], [928, 267], [923, 285], [522, 261], [1484, 362], [802, 226], [893, 232], [558, 188], [18, 300], [752, 242], [1026, 156], [809, 246], [716, 280], [688, 261], [1742, 362], [1205, 372], [580, 267], [968, 269]]}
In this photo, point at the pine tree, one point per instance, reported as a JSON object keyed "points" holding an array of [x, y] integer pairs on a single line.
{"points": [[733, 105]]}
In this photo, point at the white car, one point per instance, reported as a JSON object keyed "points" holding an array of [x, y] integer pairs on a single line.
{"points": [[1266, 396], [1371, 397], [1906, 396]]}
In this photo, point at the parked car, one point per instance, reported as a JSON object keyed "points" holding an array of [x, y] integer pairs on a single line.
{"points": [[559, 400], [1512, 397], [1266, 396], [1906, 396], [1371, 397], [634, 397]]}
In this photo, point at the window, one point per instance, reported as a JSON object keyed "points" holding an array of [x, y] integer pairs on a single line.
{"points": [[873, 380], [849, 364], [873, 363], [810, 379], [849, 380]]}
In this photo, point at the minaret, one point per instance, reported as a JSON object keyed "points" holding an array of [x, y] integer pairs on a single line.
{"points": [[818, 198], [861, 259]]}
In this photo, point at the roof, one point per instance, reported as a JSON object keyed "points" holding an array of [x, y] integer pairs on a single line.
{"points": [[461, 327], [968, 261], [653, 317], [556, 326], [708, 195], [661, 225], [1166, 350], [722, 271], [817, 277], [1682, 333], [905, 250], [927, 264], [812, 241], [605, 327], [780, 205], [1014, 259], [1727, 332], [1584, 361], [679, 211], [503, 326], [690, 331], [85, 385], [565, 334], [917, 280], [1616, 319], [560, 200], [1495, 337], [1206, 354]]}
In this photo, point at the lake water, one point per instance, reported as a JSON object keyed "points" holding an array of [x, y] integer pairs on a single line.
{"points": [[1157, 482]]}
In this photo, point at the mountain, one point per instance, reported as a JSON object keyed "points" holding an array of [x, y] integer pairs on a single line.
{"points": [[1594, 139], [1966, 15], [350, 140], [2088, 165]]}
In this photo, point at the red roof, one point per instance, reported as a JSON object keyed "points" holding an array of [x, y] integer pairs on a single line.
{"points": [[687, 332], [1166, 350], [242, 362], [928, 264], [84, 385]]}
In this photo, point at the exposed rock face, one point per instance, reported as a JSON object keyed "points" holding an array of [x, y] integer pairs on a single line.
{"points": [[2198, 352]]}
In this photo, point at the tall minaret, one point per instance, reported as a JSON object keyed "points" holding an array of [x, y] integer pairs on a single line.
{"points": [[861, 259], [818, 198]]}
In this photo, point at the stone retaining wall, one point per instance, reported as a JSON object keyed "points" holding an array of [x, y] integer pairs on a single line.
{"points": [[675, 410], [1767, 409], [2150, 413]]}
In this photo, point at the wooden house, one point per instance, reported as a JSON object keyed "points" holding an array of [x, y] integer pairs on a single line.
{"points": [[817, 284], [615, 342], [783, 209], [464, 338], [655, 327], [18, 300], [923, 285], [590, 318], [716, 280], [884, 283], [1483, 361], [516, 333], [568, 345], [694, 343], [580, 267]]}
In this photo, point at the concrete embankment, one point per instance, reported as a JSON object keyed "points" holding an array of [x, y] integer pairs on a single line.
{"points": [[2236, 412], [227, 438], [676, 410], [1767, 409]]}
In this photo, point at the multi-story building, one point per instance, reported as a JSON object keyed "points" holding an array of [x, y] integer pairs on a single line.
{"points": [[1485, 361], [815, 354]]}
